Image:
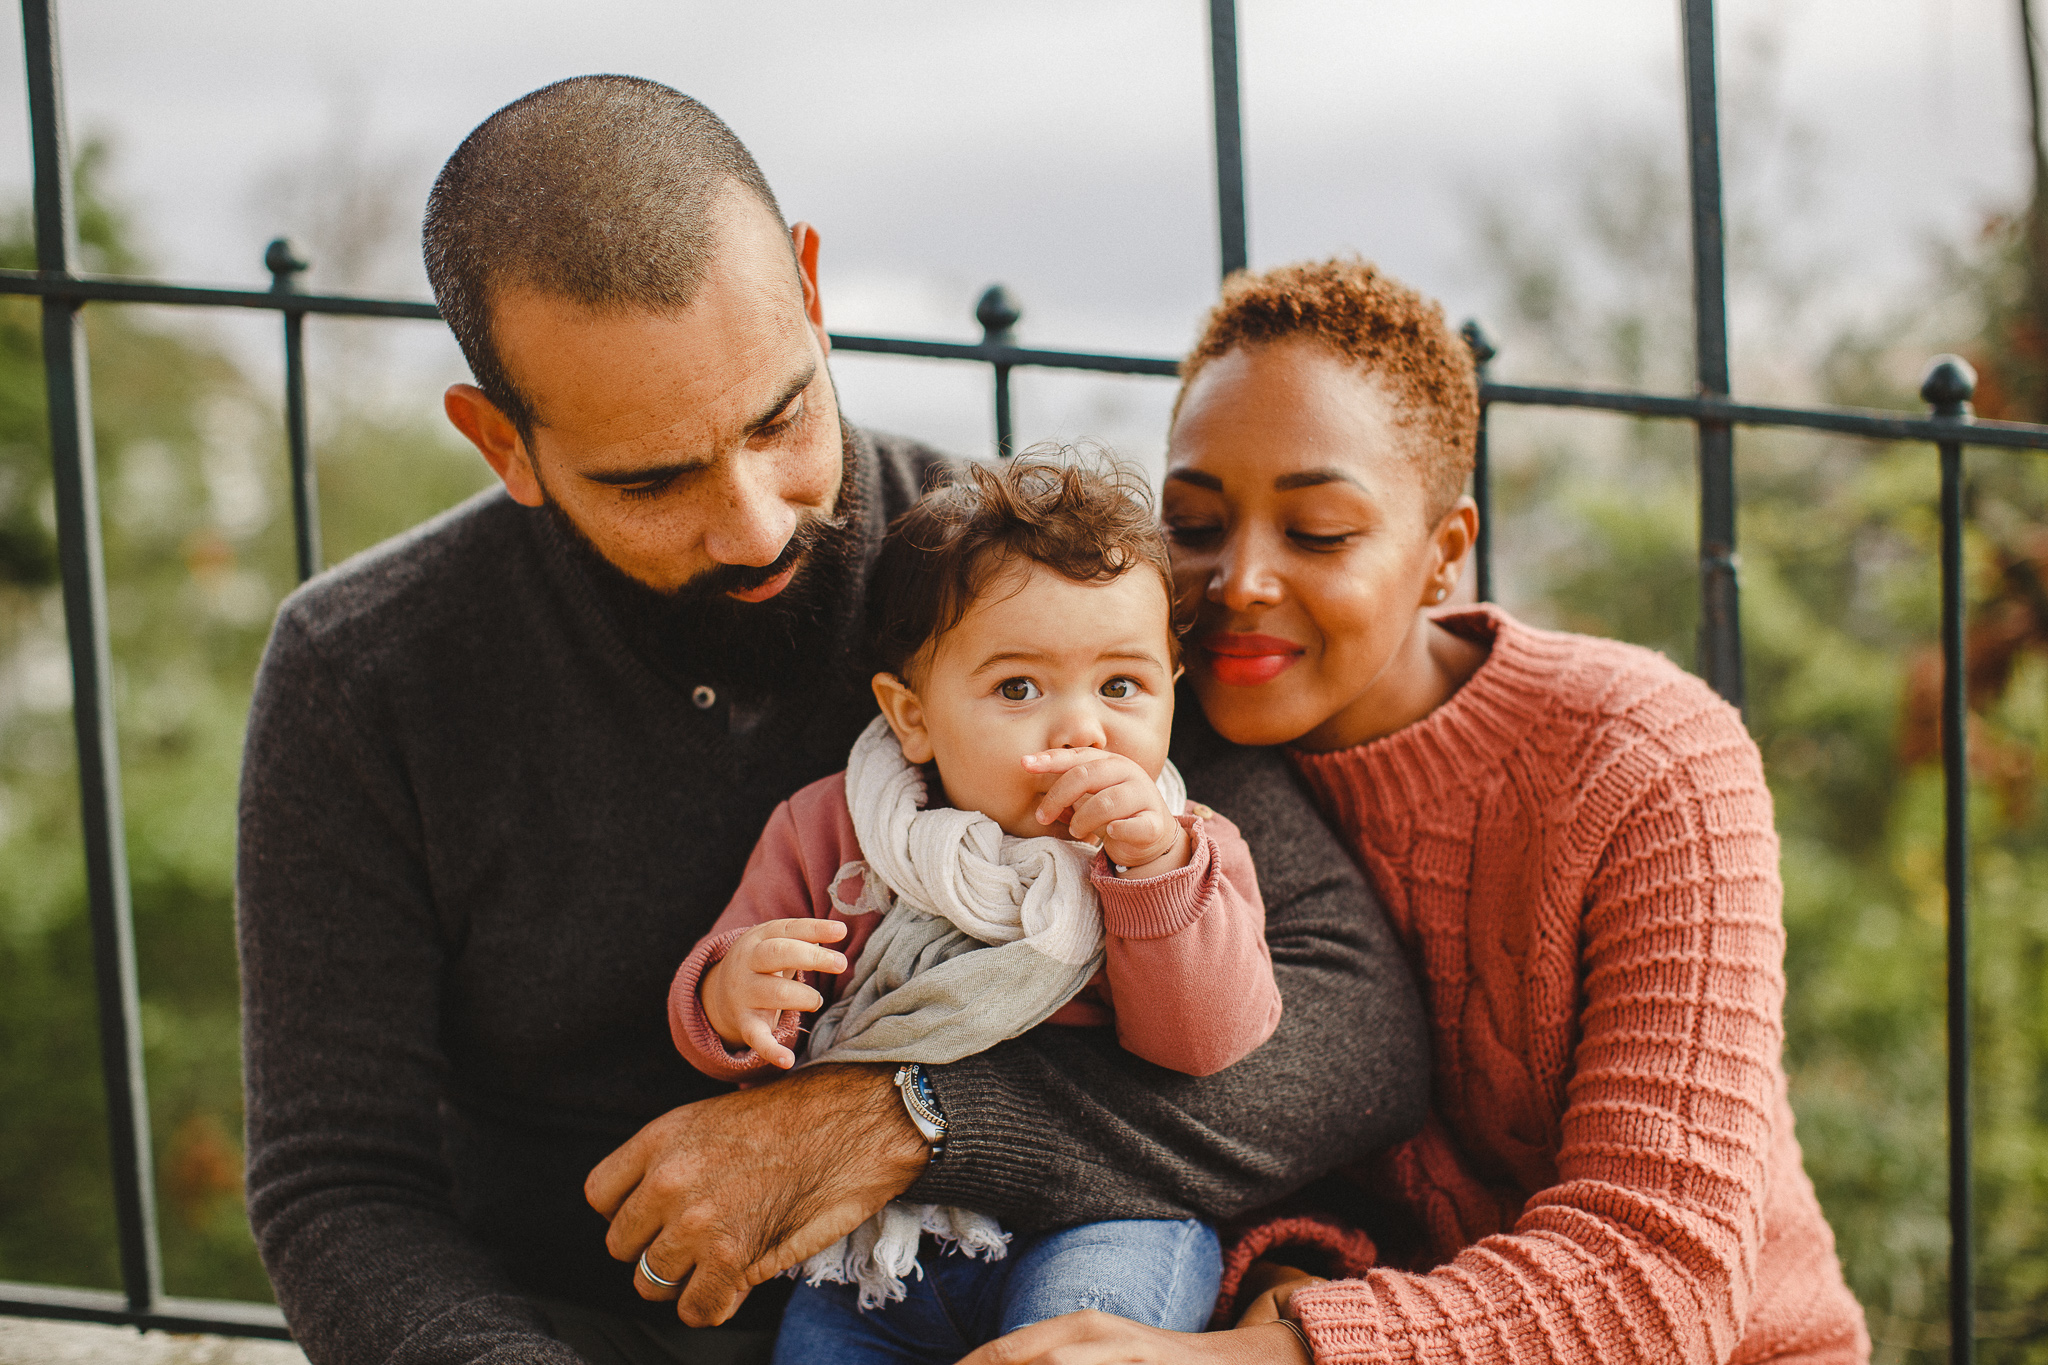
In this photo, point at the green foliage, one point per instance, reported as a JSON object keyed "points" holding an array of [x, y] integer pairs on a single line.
{"points": [[198, 549]]}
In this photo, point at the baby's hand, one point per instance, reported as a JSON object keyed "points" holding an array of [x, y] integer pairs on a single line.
{"points": [[1107, 798], [745, 992]]}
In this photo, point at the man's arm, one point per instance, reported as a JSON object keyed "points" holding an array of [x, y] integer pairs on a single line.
{"points": [[341, 961], [1064, 1126]]}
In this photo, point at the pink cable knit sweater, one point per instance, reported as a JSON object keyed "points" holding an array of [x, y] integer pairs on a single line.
{"points": [[1577, 851]]}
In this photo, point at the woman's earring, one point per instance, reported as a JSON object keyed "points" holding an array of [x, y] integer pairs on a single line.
{"points": [[1442, 593]]}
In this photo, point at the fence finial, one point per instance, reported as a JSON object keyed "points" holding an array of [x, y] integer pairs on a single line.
{"points": [[1950, 384], [283, 263], [1481, 344], [998, 315]]}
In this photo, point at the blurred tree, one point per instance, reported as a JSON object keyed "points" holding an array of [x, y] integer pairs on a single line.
{"points": [[198, 533]]}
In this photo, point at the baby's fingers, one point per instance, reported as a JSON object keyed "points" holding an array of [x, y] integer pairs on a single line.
{"points": [[807, 929], [774, 994], [758, 1033], [1136, 833], [1098, 773], [792, 955]]}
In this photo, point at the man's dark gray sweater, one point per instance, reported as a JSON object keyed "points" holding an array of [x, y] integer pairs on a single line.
{"points": [[482, 824]]}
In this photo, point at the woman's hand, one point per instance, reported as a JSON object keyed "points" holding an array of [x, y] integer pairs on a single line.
{"points": [[1271, 1285], [1103, 1339]]}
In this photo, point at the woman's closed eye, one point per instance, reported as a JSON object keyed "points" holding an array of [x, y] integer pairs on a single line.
{"points": [[1018, 689], [1323, 541], [1193, 533]]}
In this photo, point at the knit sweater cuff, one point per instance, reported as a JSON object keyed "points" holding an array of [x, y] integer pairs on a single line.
{"points": [[1000, 1153], [1161, 906], [691, 1027]]}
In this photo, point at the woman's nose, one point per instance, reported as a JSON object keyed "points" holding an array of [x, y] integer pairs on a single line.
{"points": [[1244, 576]]}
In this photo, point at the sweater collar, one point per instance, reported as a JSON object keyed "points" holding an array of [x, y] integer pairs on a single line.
{"points": [[1469, 732]]}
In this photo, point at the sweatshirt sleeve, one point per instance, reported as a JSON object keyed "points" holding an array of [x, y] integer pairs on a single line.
{"points": [[773, 887], [1188, 972], [350, 1196], [1646, 1247], [1064, 1126]]}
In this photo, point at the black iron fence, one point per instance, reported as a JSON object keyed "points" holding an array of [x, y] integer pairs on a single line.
{"points": [[1948, 426]]}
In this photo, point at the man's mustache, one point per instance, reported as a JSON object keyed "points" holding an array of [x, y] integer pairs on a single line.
{"points": [[813, 531]]}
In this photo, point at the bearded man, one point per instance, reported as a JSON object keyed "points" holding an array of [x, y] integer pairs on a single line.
{"points": [[504, 770]]}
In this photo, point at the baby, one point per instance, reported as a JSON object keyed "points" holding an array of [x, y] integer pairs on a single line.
{"points": [[1053, 873]]}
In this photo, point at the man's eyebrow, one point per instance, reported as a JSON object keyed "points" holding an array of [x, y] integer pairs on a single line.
{"points": [[1311, 478], [789, 393], [659, 473], [1196, 477]]}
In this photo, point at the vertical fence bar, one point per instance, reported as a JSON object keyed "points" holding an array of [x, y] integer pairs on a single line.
{"points": [[83, 567], [1948, 388], [1720, 647], [998, 315], [284, 264], [1230, 223], [1482, 470]]}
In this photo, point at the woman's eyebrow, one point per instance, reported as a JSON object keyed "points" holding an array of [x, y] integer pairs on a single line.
{"points": [[1311, 478], [1195, 477]]}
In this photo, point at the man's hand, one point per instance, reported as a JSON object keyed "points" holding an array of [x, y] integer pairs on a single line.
{"points": [[1100, 794], [746, 991], [728, 1192]]}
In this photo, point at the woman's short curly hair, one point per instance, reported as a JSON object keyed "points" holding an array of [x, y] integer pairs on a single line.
{"points": [[1076, 512], [1389, 331]]}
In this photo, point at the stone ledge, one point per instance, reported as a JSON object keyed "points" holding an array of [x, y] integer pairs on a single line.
{"points": [[47, 1341]]}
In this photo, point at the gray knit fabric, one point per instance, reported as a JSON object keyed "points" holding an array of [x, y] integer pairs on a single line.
{"points": [[483, 821]]}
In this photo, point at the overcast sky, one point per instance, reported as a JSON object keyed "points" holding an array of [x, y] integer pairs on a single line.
{"points": [[1061, 146]]}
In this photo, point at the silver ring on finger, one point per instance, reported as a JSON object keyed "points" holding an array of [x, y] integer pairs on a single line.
{"points": [[652, 1278]]}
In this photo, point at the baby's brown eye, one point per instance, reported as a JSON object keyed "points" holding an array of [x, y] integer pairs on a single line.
{"points": [[1120, 689], [1017, 689]]}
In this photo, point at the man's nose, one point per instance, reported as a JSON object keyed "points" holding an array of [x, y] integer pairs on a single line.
{"points": [[750, 520]]}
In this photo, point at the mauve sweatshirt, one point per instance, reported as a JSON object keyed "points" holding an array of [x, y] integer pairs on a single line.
{"points": [[1186, 982]]}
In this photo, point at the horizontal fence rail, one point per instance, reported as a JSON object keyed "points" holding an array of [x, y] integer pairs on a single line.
{"points": [[64, 292]]}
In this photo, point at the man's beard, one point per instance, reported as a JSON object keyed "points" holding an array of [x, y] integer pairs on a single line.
{"points": [[698, 633]]}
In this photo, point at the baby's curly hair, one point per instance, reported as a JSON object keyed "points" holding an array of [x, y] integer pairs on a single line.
{"points": [[1076, 512], [1390, 331]]}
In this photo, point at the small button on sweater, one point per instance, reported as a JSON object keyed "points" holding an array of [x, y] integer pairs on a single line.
{"points": [[1577, 852]]}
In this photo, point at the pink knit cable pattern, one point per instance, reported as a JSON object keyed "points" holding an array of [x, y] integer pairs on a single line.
{"points": [[1577, 850]]}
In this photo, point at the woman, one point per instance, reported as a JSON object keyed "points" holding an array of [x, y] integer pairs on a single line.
{"points": [[1574, 841]]}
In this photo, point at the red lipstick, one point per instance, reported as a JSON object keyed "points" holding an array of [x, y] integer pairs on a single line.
{"points": [[1248, 660]]}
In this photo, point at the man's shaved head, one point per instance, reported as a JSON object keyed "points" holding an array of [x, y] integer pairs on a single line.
{"points": [[601, 189]]}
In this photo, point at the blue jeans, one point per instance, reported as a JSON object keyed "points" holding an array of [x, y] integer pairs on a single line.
{"points": [[1154, 1270]]}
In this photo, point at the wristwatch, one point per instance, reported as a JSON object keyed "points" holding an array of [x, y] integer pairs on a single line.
{"points": [[922, 1104]]}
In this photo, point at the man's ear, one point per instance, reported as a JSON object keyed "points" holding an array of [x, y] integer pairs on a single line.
{"points": [[905, 714], [803, 240], [494, 436]]}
